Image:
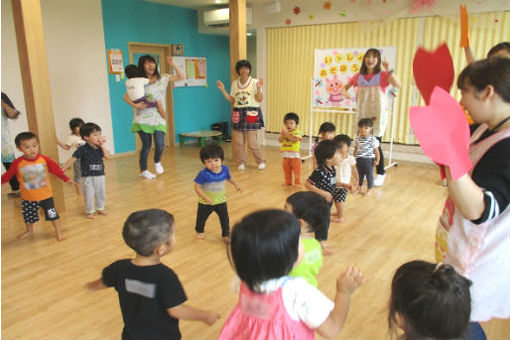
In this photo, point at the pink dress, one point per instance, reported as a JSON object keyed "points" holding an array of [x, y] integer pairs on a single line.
{"points": [[262, 317]]}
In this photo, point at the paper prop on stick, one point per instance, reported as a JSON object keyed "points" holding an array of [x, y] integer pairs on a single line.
{"points": [[433, 69], [442, 131], [464, 27]]}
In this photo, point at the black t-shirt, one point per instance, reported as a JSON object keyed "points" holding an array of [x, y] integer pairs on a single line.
{"points": [[91, 160], [145, 294], [492, 174]]}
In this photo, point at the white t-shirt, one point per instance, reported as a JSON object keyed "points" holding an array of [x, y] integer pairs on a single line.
{"points": [[136, 87], [344, 170]]}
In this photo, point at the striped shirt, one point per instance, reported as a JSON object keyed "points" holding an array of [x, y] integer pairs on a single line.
{"points": [[365, 146]]}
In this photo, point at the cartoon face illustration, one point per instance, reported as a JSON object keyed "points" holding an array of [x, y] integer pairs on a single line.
{"points": [[323, 73], [328, 60], [355, 68], [333, 69], [334, 88], [359, 57], [350, 56], [339, 58], [343, 68]]}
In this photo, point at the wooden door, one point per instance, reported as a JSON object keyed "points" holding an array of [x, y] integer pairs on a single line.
{"points": [[159, 52]]}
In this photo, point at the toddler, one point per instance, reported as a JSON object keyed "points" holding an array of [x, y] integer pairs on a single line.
{"points": [[210, 187], [32, 169], [152, 299], [323, 182], [73, 141], [429, 301], [326, 132], [312, 212], [291, 137], [265, 246], [366, 152], [91, 156]]}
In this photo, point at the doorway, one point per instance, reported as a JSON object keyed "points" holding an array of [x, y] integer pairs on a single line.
{"points": [[159, 52]]}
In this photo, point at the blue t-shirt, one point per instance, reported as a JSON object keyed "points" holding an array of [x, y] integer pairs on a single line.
{"points": [[91, 160], [213, 185]]}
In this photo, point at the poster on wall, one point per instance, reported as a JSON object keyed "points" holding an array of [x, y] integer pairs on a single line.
{"points": [[115, 63], [195, 69], [334, 68]]}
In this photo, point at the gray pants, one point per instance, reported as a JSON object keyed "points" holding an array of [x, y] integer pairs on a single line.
{"points": [[365, 167], [93, 188]]}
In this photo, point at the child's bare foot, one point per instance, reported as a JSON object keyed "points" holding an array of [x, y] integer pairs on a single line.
{"points": [[90, 216], [60, 237], [102, 212], [297, 185], [286, 184], [326, 250], [337, 219], [226, 239], [200, 236], [368, 193], [25, 234], [355, 191]]}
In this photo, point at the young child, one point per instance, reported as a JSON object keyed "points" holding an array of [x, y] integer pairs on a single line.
{"points": [[366, 152], [210, 187], [372, 83], [265, 246], [499, 50], [312, 212], [473, 234], [135, 88], [344, 171], [152, 299], [32, 169], [91, 156], [323, 181], [291, 137], [73, 141], [326, 132], [429, 301]]}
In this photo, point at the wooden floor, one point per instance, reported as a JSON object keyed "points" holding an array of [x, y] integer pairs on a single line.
{"points": [[43, 294]]}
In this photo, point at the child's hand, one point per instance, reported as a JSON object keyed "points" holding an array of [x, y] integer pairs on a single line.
{"points": [[208, 201], [211, 318], [376, 162], [72, 182], [328, 196], [260, 83], [350, 280], [220, 85], [238, 188]]}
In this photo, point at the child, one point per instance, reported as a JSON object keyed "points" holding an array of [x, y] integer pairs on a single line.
{"points": [[9, 112], [366, 152], [31, 169], [91, 156], [473, 234], [210, 187], [372, 83], [344, 170], [152, 299], [323, 181], [265, 246], [312, 212], [326, 132], [499, 50], [429, 301], [135, 87], [72, 142], [291, 137]]}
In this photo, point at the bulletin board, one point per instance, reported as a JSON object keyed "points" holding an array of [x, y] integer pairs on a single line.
{"points": [[195, 70], [334, 68]]}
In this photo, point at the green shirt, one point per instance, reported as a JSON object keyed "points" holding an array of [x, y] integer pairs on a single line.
{"points": [[312, 261]]}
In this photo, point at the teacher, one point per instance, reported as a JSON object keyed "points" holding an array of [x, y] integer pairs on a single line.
{"points": [[245, 96], [147, 121]]}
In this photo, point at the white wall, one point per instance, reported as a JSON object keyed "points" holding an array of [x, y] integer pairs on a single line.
{"points": [[75, 48]]}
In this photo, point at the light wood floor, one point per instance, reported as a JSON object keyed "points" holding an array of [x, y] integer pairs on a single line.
{"points": [[43, 294]]}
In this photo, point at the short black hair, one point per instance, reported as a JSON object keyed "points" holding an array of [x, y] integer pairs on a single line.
{"points": [[87, 128], [502, 46], [146, 230], [311, 208], [342, 139], [366, 122], [264, 246], [326, 149], [433, 299], [24, 136], [211, 150], [242, 63], [291, 116], [75, 122], [327, 127], [132, 71]]}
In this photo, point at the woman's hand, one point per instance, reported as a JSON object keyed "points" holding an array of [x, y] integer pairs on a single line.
{"points": [[260, 83], [170, 60], [220, 85], [140, 106], [385, 64]]}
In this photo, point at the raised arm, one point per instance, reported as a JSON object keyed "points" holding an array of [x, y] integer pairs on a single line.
{"points": [[106, 153], [393, 80], [175, 77], [185, 312], [470, 57], [227, 95], [258, 94]]}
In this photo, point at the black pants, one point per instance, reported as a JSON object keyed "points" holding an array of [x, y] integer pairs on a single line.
{"points": [[13, 182], [321, 234], [380, 167], [203, 212], [365, 167]]}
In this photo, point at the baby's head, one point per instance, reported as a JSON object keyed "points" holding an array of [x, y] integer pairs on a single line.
{"points": [[150, 232], [212, 156], [75, 125], [327, 131], [264, 245], [291, 121], [429, 301], [310, 208], [132, 71], [327, 154], [343, 143], [28, 143]]}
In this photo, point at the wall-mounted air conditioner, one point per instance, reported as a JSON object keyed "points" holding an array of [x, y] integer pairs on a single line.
{"points": [[219, 17]]}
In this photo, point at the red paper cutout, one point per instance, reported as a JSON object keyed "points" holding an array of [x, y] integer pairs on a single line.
{"points": [[443, 132], [433, 69]]}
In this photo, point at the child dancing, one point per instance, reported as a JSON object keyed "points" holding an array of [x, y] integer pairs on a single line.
{"points": [[290, 139], [344, 171], [366, 152]]}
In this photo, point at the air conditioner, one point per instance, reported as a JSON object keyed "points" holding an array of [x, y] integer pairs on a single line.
{"points": [[219, 17]]}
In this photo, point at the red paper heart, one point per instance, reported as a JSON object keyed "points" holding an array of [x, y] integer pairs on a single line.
{"points": [[443, 132], [433, 69]]}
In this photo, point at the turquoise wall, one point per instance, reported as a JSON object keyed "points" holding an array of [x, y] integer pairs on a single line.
{"points": [[195, 108]]}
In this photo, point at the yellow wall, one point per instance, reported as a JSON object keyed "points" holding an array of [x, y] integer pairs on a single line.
{"points": [[290, 61]]}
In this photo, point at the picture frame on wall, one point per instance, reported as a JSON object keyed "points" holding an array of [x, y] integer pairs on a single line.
{"points": [[177, 50]]}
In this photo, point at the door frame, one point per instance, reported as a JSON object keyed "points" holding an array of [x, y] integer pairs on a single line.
{"points": [[165, 50]]}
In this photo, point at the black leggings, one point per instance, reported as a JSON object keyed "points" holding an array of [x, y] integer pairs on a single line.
{"points": [[203, 212], [380, 167], [365, 167]]}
